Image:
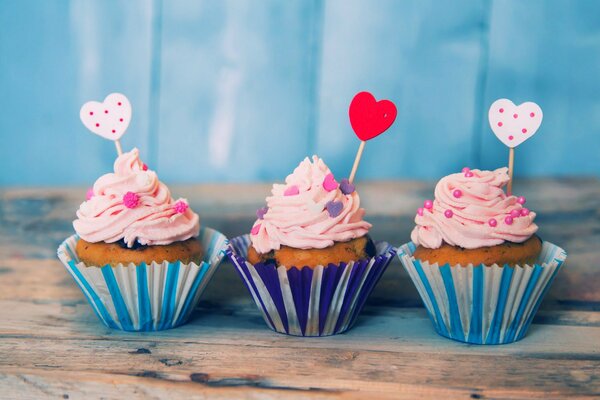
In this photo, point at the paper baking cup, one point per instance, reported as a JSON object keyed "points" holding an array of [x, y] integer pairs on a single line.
{"points": [[145, 297], [483, 304], [310, 302]]}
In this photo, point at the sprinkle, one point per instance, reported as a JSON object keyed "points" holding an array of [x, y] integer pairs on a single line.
{"points": [[329, 183], [260, 213], [89, 194], [508, 220], [255, 229], [334, 208], [457, 193], [144, 167], [180, 207], [468, 174], [420, 211], [131, 200], [515, 213], [521, 200], [524, 212], [428, 204], [291, 191], [346, 187], [465, 170], [492, 222], [448, 213]]}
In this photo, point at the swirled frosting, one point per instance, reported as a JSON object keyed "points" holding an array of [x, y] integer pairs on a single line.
{"points": [[132, 204], [309, 211], [471, 210]]}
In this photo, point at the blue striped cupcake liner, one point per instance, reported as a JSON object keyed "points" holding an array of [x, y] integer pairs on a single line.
{"points": [[320, 301], [143, 297], [483, 304]]}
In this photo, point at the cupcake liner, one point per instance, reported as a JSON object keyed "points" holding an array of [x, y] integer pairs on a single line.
{"points": [[145, 297], [310, 302], [483, 304]]}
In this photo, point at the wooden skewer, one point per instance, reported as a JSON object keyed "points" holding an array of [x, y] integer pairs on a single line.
{"points": [[511, 164], [357, 160]]}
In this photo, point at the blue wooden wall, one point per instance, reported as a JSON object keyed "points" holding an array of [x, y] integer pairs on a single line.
{"points": [[242, 90]]}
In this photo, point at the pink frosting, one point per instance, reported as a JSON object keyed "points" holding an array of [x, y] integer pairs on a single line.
{"points": [[302, 220], [482, 199], [154, 220]]}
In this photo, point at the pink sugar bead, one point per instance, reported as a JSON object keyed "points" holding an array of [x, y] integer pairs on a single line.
{"points": [[515, 213], [255, 229], [428, 204], [492, 222], [521, 200], [89, 194], [448, 213], [131, 200], [420, 211], [180, 207], [457, 193], [468, 174], [465, 170], [291, 191], [524, 212], [508, 220]]}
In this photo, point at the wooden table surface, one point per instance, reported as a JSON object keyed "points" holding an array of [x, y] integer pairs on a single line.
{"points": [[53, 346]]}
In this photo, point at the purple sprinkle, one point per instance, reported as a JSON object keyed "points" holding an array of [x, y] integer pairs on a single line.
{"points": [[334, 208], [260, 213], [346, 187]]}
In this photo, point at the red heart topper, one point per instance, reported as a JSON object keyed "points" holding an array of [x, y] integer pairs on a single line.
{"points": [[370, 118]]}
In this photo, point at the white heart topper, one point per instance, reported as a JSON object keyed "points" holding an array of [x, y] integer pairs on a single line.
{"points": [[108, 119], [514, 124]]}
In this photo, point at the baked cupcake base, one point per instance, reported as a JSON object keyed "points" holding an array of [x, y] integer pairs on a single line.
{"points": [[483, 304], [101, 254], [340, 252], [320, 301], [505, 253]]}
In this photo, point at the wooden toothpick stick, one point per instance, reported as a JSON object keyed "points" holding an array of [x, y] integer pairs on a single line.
{"points": [[118, 146], [357, 160], [511, 164]]}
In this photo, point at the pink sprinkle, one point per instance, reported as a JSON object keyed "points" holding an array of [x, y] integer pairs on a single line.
{"points": [[105, 111], [255, 229], [329, 183], [521, 200], [524, 130], [532, 115], [144, 167], [448, 213], [511, 137], [89, 194], [291, 191], [515, 116], [515, 213], [119, 103], [91, 113], [97, 125], [131, 200], [499, 123], [420, 211], [501, 110], [121, 119], [468, 174], [113, 131], [508, 220], [180, 207], [492, 222], [524, 212], [457, 193], [428, 204], [465, 170]]}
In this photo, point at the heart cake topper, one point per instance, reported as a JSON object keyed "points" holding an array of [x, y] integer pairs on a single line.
{"points": [[514, 124], [108, 119], [370, 118]]}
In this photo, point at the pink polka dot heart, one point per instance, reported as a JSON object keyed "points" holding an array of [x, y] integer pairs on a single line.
{"points": [[108, 119], [514, 124]]}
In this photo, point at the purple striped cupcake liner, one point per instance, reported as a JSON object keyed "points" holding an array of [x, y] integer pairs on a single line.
{"points": [[320, 301]]}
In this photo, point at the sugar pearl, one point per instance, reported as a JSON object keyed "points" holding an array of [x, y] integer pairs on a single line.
{"points": [[521, 200], [515, 213], [468, 174], [508, 220], [428, 204], [524, 212], [420, 211], [457, 193], [448, 213], [492, 222], [465, 170]]}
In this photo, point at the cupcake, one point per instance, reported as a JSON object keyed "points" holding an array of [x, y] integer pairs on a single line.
{"points": [[139, 256], [476, 260], [308, 261]]}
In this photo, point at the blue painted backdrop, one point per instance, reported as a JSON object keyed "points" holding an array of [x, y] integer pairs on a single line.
{"points": [[242, 90]]}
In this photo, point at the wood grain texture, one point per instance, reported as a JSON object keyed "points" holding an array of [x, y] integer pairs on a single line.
{"points": [[53, 346]]}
